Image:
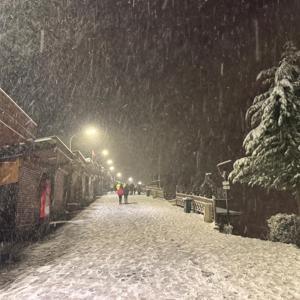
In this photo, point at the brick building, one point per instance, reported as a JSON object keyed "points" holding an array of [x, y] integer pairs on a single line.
{"points": [[85, 180], [17, 174], [57, 160], [15, 125], [27, 163]]}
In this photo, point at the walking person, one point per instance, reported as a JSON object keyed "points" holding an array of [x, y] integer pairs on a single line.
{"points": [[134, 189], [120, 192], [139, 189], [126, 193], [131, 188]]}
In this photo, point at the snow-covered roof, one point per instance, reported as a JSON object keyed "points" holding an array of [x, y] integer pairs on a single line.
{"points": [[15, 125], [54, 140]]}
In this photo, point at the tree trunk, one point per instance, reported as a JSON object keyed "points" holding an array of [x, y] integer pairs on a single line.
{"points": [[298, 200]]}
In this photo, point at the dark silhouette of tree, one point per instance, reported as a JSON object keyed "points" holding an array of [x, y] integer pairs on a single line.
{"points": [[272, 146]]}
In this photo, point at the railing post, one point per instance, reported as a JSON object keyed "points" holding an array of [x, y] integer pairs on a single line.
{"points": [[214, 207], [208, 213], [187, 204]]}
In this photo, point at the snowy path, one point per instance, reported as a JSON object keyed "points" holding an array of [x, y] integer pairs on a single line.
{"points": [[151, 250]]}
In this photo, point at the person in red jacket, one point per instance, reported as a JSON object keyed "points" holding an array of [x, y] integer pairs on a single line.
{"points": [[45, 202], [45, 199], [120, 192]]}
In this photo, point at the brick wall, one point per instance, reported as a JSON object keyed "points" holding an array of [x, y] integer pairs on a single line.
{"points": [[58, 203], [28, 202], [76, 188], [83, 180], [8, 198]]}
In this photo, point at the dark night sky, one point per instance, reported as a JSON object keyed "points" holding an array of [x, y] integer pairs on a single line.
{"points": [[160, 78]]}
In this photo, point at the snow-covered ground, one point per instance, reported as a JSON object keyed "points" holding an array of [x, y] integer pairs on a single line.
{"points": [[150, 249]]}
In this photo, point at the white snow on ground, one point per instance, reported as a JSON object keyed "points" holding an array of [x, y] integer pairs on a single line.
{"points": [[151, 250]]}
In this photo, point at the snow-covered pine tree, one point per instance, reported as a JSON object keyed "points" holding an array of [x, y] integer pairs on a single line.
{"points": [[273, 145]]}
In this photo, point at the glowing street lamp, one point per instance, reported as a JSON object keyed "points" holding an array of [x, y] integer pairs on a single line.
{"points": [[105, 152], [119, 175], [139, 182], [109, 162], [89, 131], [111, 168], [130, 179]]}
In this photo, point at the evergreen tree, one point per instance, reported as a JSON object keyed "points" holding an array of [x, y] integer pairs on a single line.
{"points": [[273, 145]]}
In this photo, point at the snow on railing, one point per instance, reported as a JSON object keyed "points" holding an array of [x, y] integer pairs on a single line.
{"points": [[200, 204]]}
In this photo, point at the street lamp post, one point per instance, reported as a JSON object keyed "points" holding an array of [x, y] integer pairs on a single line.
{"points": [[71, 139], [112, 174], [90, 131]]}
